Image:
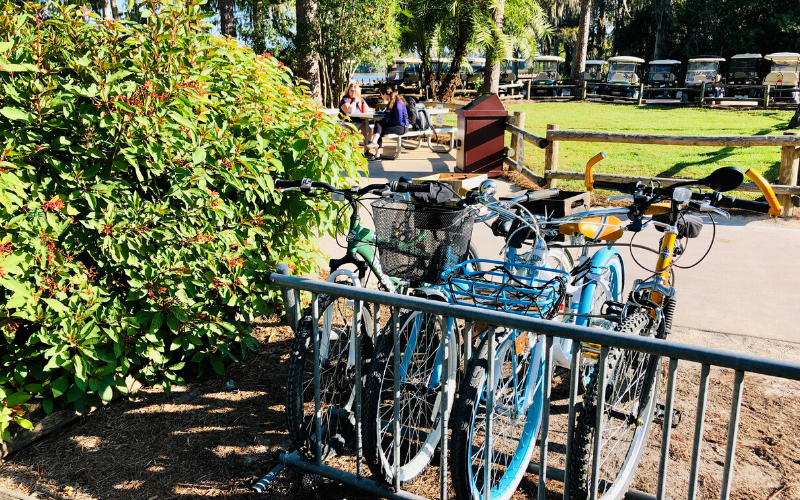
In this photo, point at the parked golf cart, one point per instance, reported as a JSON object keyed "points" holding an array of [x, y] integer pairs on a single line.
{"points": [[475, 77], [784, 75], [703, 69], [509, 75], [546, 72], [622, 78], [663, 75], [743, 70], [593, 74], [404, 72]]}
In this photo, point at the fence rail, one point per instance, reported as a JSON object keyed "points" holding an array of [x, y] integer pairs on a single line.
{"points": [[674, 351], [787, 177]]}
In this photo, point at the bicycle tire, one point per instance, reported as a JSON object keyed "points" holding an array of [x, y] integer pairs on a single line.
{"points": [[336, 386], [468, 476], [472, 254], [420, 337], [616, 472]]}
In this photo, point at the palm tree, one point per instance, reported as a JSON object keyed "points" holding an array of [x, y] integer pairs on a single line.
{"points": [[421, 21]]}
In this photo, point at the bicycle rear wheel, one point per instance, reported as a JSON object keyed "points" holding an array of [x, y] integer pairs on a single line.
{"points": [[516, 421], [337, 376], [421, 383], [631, 393]]}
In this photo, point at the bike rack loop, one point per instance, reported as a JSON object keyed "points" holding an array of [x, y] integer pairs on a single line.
{"points": [[674, 351]]}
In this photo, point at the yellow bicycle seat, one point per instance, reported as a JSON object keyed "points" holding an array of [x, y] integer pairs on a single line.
{"points": [[595, 228]]}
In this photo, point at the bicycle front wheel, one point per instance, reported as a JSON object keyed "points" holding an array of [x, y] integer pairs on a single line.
{"points": [[336, 373], [421, 382], [515, 422], [631, 393]]}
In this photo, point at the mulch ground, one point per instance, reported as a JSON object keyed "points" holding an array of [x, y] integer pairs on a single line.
{"points": [[205, 440]]}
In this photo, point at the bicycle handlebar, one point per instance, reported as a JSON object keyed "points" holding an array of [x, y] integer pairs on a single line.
{"points": [[723, 201], [775, 207], [396, 186]]}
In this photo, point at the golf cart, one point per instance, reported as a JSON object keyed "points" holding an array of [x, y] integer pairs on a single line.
{"points": [[783, 76], [593, 74], [509, 81], [622, 78], [743, 70], [663, 74], [703, 69], [404, 71], [545, 72], [475, 76]]}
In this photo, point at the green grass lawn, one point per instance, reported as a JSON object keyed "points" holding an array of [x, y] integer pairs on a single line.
{"points": [[652, 160]]}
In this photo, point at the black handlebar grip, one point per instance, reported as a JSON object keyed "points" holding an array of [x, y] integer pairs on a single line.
{"points": [[287, 183], [723, 201], [542, 194], [753, 206], [408, 187]]}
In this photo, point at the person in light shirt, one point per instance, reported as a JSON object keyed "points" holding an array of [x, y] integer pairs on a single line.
{"points": [[352, 102]]}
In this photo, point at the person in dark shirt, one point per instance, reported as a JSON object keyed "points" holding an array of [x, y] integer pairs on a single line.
{"points": [[395, 122], [352, 102]]}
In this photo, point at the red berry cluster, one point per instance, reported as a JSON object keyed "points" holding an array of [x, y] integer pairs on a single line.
{"points": [[55, 204]]}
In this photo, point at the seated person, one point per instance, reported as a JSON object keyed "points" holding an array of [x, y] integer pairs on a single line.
{"points": [[396, 121], [352, 102]]}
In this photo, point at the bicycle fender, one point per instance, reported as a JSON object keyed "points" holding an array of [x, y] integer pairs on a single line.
{"points": [[430, 294]]}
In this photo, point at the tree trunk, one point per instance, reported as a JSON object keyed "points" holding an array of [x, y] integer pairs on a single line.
{"points": [[491, 70], [661, 12], [307, 58], [114, 9], [795, 121], [107, 11], [259, 46], [464, 26], [582, 44], [226, 19]]}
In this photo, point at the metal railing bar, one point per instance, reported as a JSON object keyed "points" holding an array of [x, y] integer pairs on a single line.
{"points": [[545, 415], [733, 428], [396, 413], [445, 408], [666, 429], [487, 471], [655, 347], [574, 380], [317, 363], [356, 337], [702, 399], [598, 425], [343, 477]]}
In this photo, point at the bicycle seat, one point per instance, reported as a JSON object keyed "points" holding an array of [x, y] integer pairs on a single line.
{"points": [[595, 228]]}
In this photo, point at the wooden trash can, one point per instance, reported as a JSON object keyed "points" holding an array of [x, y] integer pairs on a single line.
{"points": [[481, 136]]}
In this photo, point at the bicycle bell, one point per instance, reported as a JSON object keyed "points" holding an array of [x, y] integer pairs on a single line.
{"points": [[488, 188]]}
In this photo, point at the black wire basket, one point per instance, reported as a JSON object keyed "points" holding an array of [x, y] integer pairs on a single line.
{"points": [[416, 242]]}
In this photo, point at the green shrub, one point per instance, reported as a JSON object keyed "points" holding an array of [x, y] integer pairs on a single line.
{"points": [[138, 212]]}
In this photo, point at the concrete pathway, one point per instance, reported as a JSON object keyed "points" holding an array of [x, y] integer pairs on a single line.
{"points": [[749, 284]]}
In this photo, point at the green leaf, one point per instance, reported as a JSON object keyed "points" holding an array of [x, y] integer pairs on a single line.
{"points": [[56, 305], [16, 114], [47, 405], [199, 156], [5, 46], [24, 423], [217, 365], [18, 398], [155, 324]]}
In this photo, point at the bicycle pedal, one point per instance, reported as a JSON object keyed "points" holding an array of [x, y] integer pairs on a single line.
{"points": [[612, 308], [658, 418]]}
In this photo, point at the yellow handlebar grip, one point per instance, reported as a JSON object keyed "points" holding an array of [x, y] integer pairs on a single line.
{"points": [[775, 206], [589, 180]]}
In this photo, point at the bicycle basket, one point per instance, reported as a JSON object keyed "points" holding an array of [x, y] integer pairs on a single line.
{"points": [[513, 288], [417, 242]]}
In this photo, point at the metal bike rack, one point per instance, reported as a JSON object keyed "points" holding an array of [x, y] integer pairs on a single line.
{"points": [[674, 351]]}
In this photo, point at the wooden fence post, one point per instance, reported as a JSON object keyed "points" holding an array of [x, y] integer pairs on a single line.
{"points": [[583, 91], [790, 160], [551, 159], [440, 118], [518, 142], [641, 94], [766, 96], [702, 94]]}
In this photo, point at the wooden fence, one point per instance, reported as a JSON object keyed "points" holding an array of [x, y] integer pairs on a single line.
{"points": [[785, 189]]}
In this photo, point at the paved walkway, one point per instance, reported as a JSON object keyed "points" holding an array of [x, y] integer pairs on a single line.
{"points": [[749, 284]]}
